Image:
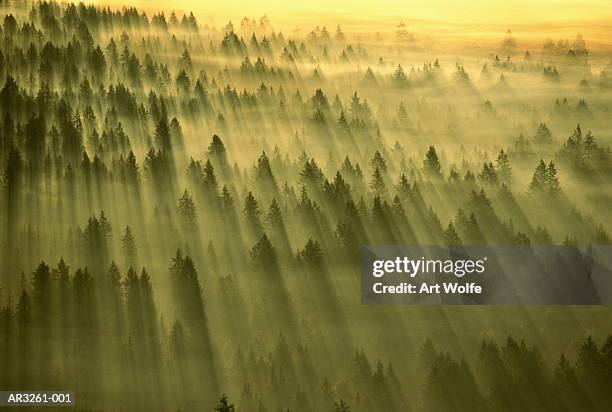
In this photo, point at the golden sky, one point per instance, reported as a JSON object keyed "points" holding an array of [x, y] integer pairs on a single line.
{"points": [[556, 17], [494, 11]]}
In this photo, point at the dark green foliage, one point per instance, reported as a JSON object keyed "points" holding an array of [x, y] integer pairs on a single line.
{"points": [[450, 386], [187, 210], [105, 121], [431, 164], [224, 406], [545, 179], [341, 406], [488, 175], [377, 184]]}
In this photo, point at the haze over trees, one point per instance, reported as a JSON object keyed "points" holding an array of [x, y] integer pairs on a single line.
{"points": [[182, 209]]}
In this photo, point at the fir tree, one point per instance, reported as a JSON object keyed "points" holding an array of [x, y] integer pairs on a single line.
{"points": [[431, 164]]}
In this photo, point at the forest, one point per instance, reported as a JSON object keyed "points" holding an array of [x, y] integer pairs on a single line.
{"points": [[182, 208]]}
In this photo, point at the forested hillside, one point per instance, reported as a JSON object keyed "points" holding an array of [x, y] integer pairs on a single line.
{"points": [[182, 208]]}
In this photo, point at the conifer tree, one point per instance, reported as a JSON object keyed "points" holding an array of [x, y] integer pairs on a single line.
{"points": [[431, 164], [128, 244], [377, 184], [186, 209]]}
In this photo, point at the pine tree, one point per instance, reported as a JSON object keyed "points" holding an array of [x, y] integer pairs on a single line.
{"points": [[209, 180], [378, 162], [128, 244], [591, 370], [275, 217], [377, 184], [162, 135], [552, 181], [224, 405], [504, 170], [227, 200], [263, 174], [399, 76], [570, 389], [542, 134], [312, 254], [187, 210], [311, 175], [342, 122], [252, 214], [450, 235], [540, 178], [341, 406], [488, 175], [403, 187], [431, 164]]}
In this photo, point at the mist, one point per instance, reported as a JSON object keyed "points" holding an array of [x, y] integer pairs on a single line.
{"points": [[183, 205]]}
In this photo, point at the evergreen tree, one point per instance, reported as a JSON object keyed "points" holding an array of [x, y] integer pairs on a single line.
{"points": [[504, 170], [488, 175], [542, 134], [341, 406], [450, 235], [540, 177], [377, 184], [552, 181], [186, 209], [209, 179], [224, 405], [252, 214], [378, 162], [431, 164], [162, 135], [129, 247]]}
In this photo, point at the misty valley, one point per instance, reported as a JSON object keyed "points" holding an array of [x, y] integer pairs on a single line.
{"points": [[183, 205]]}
